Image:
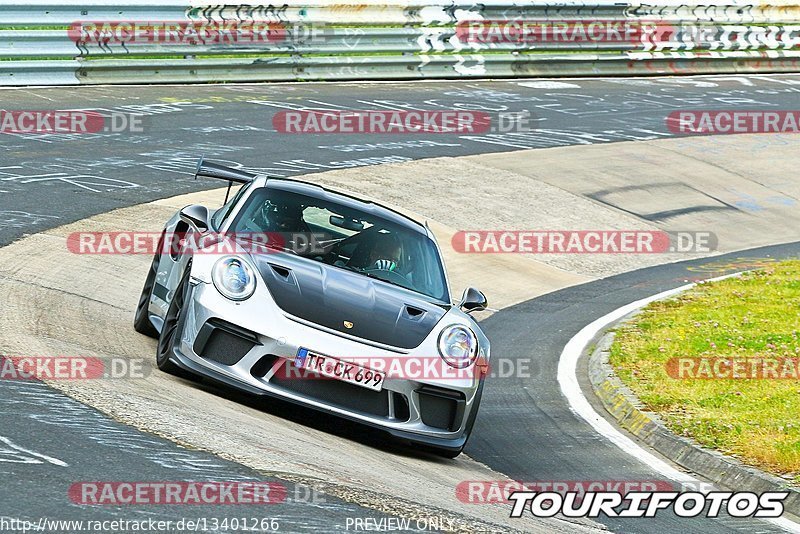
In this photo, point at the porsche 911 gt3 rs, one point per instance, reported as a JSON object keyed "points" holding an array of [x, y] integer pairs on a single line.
{"points": [[320, 298]]}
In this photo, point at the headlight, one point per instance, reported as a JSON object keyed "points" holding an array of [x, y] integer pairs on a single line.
{"points": [[233, 278], [458, 346]]}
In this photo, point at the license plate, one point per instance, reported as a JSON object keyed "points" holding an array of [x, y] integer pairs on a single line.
{"points": [[330, 367]]}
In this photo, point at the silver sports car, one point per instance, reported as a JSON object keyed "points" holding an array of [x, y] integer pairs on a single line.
{"points": [[322, 299]]}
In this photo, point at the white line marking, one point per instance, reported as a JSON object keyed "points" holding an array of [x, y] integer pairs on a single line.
{"points": [[49, 459], [39, 96], [568, 381], [548, 84]]}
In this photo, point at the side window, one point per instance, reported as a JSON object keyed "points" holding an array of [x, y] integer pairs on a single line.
{"points": [[222, 213]]}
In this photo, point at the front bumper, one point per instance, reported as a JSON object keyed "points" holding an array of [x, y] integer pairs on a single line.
{"points": [[247, 345]]}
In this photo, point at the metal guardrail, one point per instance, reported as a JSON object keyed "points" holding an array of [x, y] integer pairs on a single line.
{"points": [[94, 41], [16, 44]]}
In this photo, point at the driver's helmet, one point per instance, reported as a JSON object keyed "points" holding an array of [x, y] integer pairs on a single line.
{"points": [[386, 253], [284, 217]]}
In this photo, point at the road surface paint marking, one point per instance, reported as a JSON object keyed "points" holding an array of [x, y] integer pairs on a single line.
{"points": [[568, 381], [49, 459], [548, 85]]}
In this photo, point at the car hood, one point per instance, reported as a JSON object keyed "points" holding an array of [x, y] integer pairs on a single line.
{"points": [[349, 302]]}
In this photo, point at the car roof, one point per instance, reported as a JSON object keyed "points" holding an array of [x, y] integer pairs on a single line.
{"points": [[348, 201]]}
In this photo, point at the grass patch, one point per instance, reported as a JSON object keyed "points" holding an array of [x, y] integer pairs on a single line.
{"points": [[755, 316]]}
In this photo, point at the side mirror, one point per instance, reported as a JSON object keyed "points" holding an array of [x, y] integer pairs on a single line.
{"points": [[473, 300], [197, 217]]}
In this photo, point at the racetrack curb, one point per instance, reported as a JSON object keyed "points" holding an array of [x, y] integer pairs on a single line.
{"points": [[629, 413]]}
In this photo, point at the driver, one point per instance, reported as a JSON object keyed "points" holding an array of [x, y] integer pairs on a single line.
{"points": [[278, 224], [284, 217], [385, 254]]}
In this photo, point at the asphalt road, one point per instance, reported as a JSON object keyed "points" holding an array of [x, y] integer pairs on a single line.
{"points": [[49, 442], [525, 428], [47, 180]]}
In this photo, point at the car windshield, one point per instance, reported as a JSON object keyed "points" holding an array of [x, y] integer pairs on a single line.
{"points": [[331, 233]]}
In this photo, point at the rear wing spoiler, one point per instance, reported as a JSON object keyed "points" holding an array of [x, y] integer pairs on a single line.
{"points": [[215, 170]]}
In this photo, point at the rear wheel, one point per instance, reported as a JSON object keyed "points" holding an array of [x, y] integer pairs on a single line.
{"points": [[141, 320], [170, 331]]}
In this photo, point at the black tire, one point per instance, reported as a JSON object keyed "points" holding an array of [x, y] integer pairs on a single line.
{"points": [[141, 320], [452, 453], [172, 326]]}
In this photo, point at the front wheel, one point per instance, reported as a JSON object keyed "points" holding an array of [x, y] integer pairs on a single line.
{"points": [[170, 331]]}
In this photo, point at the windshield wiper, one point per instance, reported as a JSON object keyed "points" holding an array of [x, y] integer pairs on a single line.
{"points": [[376, 277]]}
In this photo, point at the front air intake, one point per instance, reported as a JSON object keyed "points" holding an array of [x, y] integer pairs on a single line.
{"points": [[223, 342]]}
